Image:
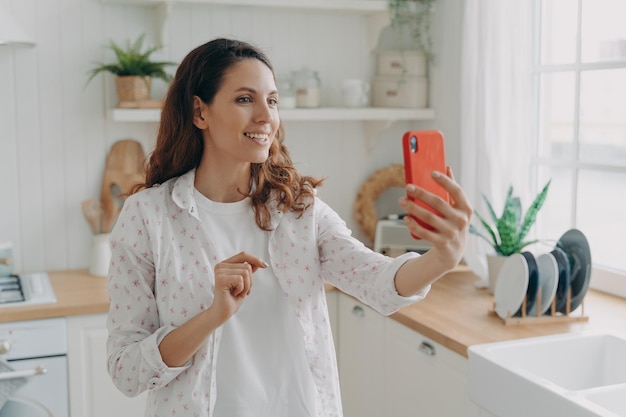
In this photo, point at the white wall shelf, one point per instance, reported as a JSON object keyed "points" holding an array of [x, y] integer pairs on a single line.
{"points": [[375, 118], [301, 115], [376, 9], [364, 6]]}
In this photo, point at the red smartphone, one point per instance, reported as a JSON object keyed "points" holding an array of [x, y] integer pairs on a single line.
{"points": [[424, 152]]}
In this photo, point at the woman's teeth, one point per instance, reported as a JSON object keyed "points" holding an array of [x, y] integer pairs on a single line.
{"points": [[258, 137]]}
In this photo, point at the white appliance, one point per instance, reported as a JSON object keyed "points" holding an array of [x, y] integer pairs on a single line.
{"points": [[392, 238], [26, 289], [37, 350]]}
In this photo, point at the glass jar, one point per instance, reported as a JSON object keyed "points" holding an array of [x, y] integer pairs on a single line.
{"points": [[308, 88], [286, 91]]}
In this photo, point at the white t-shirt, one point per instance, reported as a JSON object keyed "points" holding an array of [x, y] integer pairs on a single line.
{"points": [[262, 369]]}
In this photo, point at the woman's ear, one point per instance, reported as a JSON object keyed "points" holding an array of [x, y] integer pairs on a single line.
{"points": [[198, 118]]}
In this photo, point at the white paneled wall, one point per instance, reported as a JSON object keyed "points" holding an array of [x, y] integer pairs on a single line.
{"points": [[55, 133]]}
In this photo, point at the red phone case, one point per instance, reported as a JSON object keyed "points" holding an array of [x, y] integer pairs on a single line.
{"points": [[424, 152]]}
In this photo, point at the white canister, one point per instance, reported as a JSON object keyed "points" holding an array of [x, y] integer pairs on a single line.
{"points": [[308, 88], [355, 92], [407, 63], [100, 255], [400, 91], [6, 259], [286, 92]]}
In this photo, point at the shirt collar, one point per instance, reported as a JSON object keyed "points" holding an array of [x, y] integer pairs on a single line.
{"points": [[182, 195], [182, 192]]}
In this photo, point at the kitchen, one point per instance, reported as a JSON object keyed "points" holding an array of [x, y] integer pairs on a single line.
{"points": [[57, 130]]}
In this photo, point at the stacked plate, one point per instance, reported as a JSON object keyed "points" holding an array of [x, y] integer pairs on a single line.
{"points": [[567, 266]]}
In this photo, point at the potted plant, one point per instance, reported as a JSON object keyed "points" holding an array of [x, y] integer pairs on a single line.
{"points": [[410, 21], [134, 71], [507, 233]]}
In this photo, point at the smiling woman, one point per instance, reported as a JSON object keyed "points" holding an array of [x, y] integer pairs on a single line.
{"points": [[219, 261]]}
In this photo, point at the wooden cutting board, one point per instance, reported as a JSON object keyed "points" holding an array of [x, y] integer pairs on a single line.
{"points": [[124, 169]]}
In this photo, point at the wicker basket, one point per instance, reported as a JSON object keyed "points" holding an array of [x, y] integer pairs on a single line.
{"points": [[133, 88]]}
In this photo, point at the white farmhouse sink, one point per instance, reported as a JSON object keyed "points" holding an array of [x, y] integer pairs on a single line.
{"points": [[575, 374]]}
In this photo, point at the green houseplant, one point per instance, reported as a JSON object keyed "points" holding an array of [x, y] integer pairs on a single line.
{"points": [[410, 20], [508, 233], [134, 70]]}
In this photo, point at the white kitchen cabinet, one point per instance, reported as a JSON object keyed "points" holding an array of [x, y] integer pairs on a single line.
{"points": [[361, 358], [423, 378], [387, 369], [92, 393]]}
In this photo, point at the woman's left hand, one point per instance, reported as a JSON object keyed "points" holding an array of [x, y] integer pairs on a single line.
{"points": [[451, 228]]}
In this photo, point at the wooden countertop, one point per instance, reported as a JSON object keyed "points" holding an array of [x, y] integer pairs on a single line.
{"points": [[77, 293], [454, 314]]}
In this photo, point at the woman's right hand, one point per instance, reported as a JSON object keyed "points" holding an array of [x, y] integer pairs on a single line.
{"points": [[233, 282]]}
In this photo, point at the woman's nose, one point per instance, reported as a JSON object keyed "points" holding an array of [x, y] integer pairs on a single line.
{"points": [[264, 113]]}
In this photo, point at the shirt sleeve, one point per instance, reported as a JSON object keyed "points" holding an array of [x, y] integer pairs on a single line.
{"points": [[134, 329], [356, 269]]}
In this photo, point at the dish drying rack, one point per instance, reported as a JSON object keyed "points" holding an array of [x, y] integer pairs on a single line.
{"points": [[552, 316]]}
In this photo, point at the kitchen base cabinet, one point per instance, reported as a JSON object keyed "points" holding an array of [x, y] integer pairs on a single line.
{"points": [[422, 377], [387, 369], [361, 353], [92, 393]]}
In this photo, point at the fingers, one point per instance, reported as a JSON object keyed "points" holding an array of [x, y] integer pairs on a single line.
{"points": [[452, 216], [235, 273], [236, 279], [254, 261], [458, 199]]}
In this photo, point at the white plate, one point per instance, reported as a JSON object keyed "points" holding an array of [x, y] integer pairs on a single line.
{"points": [[511, 286], [548, 281]]}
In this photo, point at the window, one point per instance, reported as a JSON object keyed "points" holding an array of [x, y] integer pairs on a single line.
{"points": [[580, 75]]}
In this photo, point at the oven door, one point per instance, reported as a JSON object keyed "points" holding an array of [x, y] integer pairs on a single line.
{"points": [[23, 408], [47, 392]]}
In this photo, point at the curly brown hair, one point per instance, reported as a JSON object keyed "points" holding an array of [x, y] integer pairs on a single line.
{"points": [[179, 144]]}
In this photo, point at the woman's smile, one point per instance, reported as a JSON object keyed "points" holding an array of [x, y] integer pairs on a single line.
{"points": [[260, 138]]}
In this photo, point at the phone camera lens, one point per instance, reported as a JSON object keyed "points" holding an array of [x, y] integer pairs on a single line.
{"points": [[413, 144]]}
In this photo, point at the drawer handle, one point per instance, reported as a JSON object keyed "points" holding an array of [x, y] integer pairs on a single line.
{"points": [[5, 346], [358, 311], [39, 370], [427, 349]]}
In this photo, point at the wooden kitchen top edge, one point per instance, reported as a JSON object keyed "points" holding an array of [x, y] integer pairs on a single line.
{"points": [[77, 293], [456, 314]]}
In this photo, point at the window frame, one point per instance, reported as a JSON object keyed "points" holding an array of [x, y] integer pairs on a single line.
{"points": [[603, 279]]}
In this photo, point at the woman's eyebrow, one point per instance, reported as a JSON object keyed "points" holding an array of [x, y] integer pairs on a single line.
{"points": [[252, 90]]}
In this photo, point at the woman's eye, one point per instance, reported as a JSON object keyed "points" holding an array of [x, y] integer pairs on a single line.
{"points": [[273, 101], [244, 100]]}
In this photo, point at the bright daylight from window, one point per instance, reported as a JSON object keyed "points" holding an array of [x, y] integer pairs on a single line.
{"points": [[581, 126]]}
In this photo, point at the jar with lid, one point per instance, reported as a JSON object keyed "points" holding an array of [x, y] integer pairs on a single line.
{"points": [[308, 88], [286, 91]]}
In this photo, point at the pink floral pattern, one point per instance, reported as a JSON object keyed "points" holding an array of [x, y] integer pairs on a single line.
{"points": [[161, 275]]}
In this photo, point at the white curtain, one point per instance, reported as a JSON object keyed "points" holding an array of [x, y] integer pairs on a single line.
{"points": [[496, 108]]}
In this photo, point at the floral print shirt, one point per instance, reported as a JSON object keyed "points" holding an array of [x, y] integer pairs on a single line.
{"points": [[161, 275]]}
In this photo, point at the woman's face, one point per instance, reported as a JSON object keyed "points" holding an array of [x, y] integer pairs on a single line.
{"points": [[241, 122]]}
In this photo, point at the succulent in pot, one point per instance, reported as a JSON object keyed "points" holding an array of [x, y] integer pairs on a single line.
{"points": [[507, 233], [134, 70]]}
